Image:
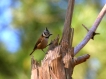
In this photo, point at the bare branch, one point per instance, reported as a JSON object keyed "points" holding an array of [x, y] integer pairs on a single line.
{"points": [[68, 18], [85, 27], [94, 33], [81, 59], [91, 31], [69, 13]]}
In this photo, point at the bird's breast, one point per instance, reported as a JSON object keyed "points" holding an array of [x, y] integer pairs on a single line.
{"points": [[43, 44]]}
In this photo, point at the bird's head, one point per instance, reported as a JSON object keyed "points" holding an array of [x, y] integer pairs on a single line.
{"points": [[46, 33]]}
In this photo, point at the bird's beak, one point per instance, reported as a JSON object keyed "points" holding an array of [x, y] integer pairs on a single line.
{"points": [[51, 34]]}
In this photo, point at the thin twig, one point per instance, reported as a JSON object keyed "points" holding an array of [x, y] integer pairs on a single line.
{"points": [[93, 29], [94, 33], [85, 27]]}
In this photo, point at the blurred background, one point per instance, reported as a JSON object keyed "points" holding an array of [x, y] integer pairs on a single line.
{"points": [[23, 21]]}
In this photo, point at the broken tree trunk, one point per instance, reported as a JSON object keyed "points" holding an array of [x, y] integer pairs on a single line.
{"points": [[59, 61]]}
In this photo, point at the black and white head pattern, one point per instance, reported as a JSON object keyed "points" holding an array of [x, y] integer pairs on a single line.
{"points": [[46, 33]]}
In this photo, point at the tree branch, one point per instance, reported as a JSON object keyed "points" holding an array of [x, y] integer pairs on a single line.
{"points": [[91, 31], [68, 18], [69, 13], [81, 59]]}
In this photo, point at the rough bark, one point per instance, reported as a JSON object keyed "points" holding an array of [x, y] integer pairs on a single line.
{"points": [[60, 60]]}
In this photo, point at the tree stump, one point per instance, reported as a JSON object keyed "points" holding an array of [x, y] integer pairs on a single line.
{"points": [[58, 63]]}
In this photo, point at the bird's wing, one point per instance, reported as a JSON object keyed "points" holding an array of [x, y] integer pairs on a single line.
{"points": [[38, 42]]}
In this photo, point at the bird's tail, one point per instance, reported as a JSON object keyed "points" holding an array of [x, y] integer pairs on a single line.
{"points": [[32, 52]]}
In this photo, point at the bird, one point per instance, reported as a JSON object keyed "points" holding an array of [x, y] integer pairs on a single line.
{"points": [[42, 41]]}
